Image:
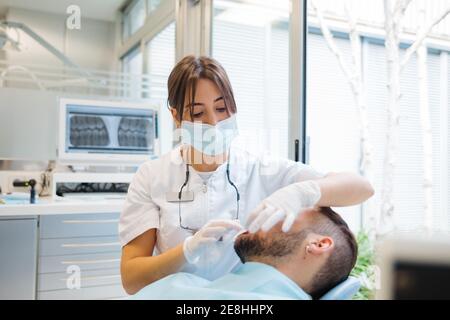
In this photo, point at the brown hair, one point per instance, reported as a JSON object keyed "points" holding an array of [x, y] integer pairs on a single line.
{"points": [[184, 77], [343, 258]]}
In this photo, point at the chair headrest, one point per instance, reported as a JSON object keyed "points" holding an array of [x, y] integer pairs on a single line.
{"points": [[343, 291]]}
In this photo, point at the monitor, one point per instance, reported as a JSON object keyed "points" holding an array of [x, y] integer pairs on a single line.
{"points": [[107, 132]]}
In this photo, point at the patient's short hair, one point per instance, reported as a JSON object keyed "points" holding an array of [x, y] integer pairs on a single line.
{"points": [[343, 258]]}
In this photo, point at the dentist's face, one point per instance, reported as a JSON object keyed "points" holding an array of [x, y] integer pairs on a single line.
{"points": [[208, 107]]}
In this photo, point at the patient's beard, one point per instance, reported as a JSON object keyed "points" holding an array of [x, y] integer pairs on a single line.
{"points": [[260, 245]]}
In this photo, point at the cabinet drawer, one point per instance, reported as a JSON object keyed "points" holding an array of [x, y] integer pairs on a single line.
{"points": [[96, 261], [82, 245], [90, 278], [18, 257], [79, 225], [91, 293]]}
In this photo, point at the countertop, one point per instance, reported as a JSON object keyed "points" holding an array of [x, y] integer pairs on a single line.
{"points": [[48, 205]]}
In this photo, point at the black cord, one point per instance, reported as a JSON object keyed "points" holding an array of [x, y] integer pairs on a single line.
{"points": [[179, 198], [238, 196], [185, 182]]}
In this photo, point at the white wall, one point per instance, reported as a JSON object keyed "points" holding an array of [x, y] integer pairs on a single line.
{"points": [[91, 47]]}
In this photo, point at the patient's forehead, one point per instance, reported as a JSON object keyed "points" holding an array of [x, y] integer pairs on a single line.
{"points": [[305, 218]]}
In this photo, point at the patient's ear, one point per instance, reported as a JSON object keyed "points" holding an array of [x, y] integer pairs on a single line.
{"points": [[320, 245]]}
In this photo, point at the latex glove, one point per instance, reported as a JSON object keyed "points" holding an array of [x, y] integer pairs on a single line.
{"points": [[285, 205], [211, 235]]}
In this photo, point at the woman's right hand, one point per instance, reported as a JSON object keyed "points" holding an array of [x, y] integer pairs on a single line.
{"points": [[209, 237]]}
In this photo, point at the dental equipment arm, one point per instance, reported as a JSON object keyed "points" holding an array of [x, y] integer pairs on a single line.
{"points": [[58, 54]]}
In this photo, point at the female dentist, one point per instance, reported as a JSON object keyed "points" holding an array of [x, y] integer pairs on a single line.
{"points": [[182, 209]]}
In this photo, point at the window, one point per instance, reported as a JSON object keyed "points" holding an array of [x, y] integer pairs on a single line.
{"points": [[251, 40], [408, 192], [160, 51], [135, 14], [132, 66], [133, 18], [161, 60], [152, 5], [152, 57], [333, 120]]}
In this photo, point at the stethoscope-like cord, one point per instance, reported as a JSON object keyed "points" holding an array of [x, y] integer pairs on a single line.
{"points": [[186, 180]]}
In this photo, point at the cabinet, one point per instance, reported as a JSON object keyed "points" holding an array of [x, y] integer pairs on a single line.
{"points": [[18, 257], [47, 257], [79, 257]]}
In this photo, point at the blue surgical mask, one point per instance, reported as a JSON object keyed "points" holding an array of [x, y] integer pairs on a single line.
{"points": [[208, 139]]}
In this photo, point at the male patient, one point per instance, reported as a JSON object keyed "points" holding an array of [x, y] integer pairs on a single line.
{"points": [[316, 255]]}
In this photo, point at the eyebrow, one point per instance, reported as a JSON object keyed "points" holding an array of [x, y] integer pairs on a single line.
{"points": [[202, 104]]}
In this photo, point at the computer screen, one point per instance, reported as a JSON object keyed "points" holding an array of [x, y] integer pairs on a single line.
{"points": [[102, 131]]}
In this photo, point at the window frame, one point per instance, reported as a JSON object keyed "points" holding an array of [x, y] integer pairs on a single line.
{"points": [[297, 147], [155, 22], [298, 143], [193, 35]]}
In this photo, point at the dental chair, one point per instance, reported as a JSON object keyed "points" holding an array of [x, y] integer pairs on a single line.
{"points": [[343, 291]]}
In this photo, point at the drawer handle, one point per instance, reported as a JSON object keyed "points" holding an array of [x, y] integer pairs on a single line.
{"points": [[90, 245], [89, 261], [95, 277], [90, 221], [101, 277]]}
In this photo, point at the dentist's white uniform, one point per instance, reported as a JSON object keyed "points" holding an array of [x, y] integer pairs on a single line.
{"points": [[146, 206]]}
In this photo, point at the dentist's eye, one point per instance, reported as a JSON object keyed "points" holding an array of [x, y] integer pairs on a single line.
{"points": [[197, 115], [221, 109]]}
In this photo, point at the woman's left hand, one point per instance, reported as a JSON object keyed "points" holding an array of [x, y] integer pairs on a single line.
{"points": [[285, 205]]}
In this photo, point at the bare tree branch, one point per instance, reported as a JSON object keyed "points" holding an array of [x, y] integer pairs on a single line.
{"points": [[399, 13], [350, 16], [422, 36], [355, 42], [354, 74], [391, 25], [329, 39], [425, 122], [387, 11], [400, 8]]}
